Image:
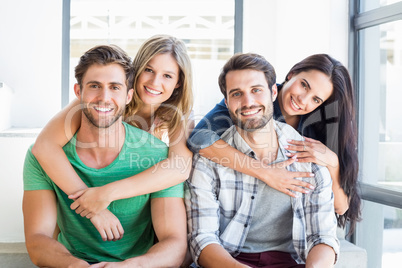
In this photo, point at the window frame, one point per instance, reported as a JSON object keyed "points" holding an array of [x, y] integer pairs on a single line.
{"points": [[360, 21], [65, 69]]}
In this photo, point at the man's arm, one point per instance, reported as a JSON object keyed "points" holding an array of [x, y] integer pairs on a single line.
{"points": [[320, 255], [215, 255], [169, 222], [40, 215], [321, 222], [203, 210]]}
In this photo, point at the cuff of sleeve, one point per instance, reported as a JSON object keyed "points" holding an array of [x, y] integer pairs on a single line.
{"points": [[333, 243], [201, 139]]}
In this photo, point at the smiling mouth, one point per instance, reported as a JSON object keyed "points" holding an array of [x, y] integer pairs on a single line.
{"points": [[154, 92], [251, 112], [294, 104], [103, 109]]}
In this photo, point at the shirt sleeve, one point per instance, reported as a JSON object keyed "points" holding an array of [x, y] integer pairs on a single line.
{"points": [[202, 207], [174, 191], [210, 128], [320, 214], [34, 176]]}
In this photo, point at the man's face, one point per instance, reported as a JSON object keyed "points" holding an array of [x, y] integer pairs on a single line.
{"points": [[249, 99], [103, 94]]}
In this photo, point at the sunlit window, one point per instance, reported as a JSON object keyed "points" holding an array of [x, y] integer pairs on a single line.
{"points": [[381, 69], [206, 27]]}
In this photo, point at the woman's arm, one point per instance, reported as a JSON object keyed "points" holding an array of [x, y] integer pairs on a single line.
{"points": [[205, 140], [169, 172], [48, 148], [276, 176], [314, 151]]}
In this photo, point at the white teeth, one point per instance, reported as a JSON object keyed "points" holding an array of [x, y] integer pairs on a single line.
{"points": [[294, 103], [103, 109], [251, 112], [153, 91]]}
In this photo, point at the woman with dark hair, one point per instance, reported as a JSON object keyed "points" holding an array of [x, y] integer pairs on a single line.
{"points": [[317, 99]]}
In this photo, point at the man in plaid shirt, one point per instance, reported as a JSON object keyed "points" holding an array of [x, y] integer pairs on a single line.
{"points": [[236, 220]]}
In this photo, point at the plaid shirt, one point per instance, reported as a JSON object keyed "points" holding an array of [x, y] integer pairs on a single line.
{"points": [[220, 202]]}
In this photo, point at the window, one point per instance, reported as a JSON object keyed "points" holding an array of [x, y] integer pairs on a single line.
{"points": [[208, 33], [378, 65]]}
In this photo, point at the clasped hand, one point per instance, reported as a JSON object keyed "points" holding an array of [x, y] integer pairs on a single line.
{"points": [[313, 151], [90, 201], [88, 204]]}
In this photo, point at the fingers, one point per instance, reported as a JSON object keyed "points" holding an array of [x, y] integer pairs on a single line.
{"points": [[298, 148], [76, 194], [304, 184], [89, 215], [299, 189], [83, 213], [289, 193], [102, 233], [120, 229], [286, 163], [116, 233], [74, 205], [311, 140], [109, 234]]}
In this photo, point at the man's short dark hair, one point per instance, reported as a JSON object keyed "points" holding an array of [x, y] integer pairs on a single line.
{"points": [[104, 55], [244, 61]]}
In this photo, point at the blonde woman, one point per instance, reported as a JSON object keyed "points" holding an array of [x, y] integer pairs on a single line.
{"points": [[161, 105]]}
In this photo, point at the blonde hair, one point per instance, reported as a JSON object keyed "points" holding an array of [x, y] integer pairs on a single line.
{"points": [[179, 105]]}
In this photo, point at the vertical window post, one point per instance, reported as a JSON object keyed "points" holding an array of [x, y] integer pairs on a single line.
{"points": [[238, 29], [65, 46]]}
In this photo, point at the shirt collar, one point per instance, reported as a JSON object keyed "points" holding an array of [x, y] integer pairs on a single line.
{"points": [[240, 144]]}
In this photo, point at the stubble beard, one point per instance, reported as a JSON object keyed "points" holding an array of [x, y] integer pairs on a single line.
{"points": [[251, 125], [102, 122]]}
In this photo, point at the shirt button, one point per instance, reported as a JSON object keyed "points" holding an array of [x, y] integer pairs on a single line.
{"points": [[252, 197], [245, 225]]}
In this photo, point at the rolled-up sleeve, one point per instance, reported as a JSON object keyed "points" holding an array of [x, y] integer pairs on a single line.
{"points": [[202, 208], [320, 215], [210, 128]]}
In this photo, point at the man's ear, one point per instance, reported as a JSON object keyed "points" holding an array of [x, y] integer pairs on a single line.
{"points": [[77, 91], [274, 92], [130, 93]]}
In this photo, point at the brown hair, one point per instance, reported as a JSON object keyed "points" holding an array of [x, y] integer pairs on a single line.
{"points": [[104, 55], [244, 61]]}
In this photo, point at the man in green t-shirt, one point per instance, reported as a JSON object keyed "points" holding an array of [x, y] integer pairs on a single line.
{"points": [[120, 151]]}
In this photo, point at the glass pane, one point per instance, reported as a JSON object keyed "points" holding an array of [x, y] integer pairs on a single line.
{"points": [[380, 233], [381, 83], [206, 26], [392, 237], [373, 4]]}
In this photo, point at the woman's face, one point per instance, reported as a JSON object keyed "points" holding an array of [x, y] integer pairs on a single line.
{"points": [[159, 79], [304, 92]]}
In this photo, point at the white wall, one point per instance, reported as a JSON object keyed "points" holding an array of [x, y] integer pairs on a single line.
{"points": [[13, 150], [30, 58], [30, 65], [287, 31], [284, 31]]}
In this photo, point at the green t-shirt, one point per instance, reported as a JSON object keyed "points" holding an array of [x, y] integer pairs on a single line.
{"points": [[139, 152]]}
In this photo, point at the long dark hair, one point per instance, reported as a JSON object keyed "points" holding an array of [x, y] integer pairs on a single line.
{"points": [[337, 127]]}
